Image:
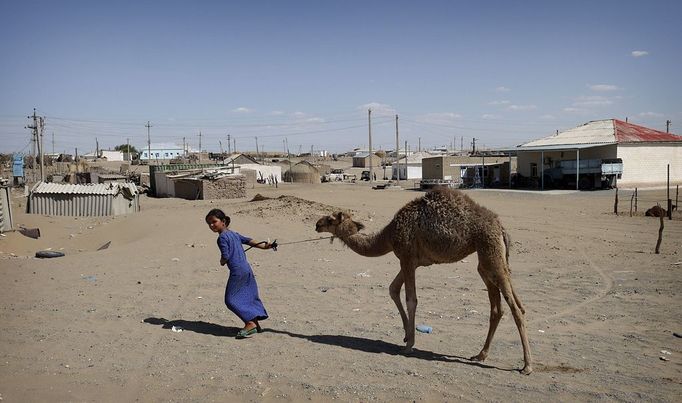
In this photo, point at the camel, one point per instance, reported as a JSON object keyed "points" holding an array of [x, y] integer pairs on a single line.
{"points": [[443, 226]]}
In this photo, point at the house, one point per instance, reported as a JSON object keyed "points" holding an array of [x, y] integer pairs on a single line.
{"points": [[409, 167], [303, 172], [479, 170], [111, 155], [91, 200], [361, 160], [262, 173], [601, 153], [161, 152]]}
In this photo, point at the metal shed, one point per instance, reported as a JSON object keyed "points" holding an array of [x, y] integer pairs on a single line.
{"points": [[104, 199], [5, 208]]}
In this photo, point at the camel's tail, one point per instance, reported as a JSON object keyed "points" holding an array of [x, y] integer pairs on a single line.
{"points": [[507, 243]]}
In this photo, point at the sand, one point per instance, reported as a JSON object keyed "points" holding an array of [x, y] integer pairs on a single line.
{"points": [[602, 308]]}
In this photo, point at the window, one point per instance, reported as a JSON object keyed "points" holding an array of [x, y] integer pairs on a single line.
{"points": [[533, 169]]}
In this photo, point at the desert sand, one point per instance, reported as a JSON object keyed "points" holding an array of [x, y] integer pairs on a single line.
{"points": [[97, 326]]}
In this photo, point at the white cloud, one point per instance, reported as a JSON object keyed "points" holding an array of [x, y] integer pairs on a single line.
{"points": [[651, 115], [571, 109], [503, 102], [489, 116], [277, 113], [547, 117], [522, 107], [241, 109], [439, 117], [639, 53], [604, 87], [502, 89], [594, 100], [378, 109]]}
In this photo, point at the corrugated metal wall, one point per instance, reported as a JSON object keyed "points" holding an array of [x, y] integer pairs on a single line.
{"points": [[82, 205]]}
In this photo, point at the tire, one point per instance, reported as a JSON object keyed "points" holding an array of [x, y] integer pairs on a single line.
{"points": [[46, 254]]}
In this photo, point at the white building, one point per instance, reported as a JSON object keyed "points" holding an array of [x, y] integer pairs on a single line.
{"points": [[161, 151], [409, 167], [111, 155], [645, 153]]}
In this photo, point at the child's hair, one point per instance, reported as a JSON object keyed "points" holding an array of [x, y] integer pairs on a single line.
{"points": [[219, 214]]}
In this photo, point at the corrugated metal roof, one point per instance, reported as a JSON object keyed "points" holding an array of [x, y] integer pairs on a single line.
{"points": [[602, 132], [630, 133], [96, 189]]}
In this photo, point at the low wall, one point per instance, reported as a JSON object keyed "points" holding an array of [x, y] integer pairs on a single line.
{"points": [[228, 187]]}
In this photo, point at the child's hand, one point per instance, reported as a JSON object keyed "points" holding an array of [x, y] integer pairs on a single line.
{"points": [[223, 261]]}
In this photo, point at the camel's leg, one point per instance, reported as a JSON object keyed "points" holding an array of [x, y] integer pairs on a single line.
{"points": [[519, 317], [496, 312], [394, 290], [411, 300]]}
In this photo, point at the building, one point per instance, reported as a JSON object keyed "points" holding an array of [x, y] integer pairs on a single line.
{"points": [[111, 155], [89, 200], [262, 173], [303, 172], [361, 160], [409, 167], [483, 170], [578, 156], [161, 152], [6, 222]]}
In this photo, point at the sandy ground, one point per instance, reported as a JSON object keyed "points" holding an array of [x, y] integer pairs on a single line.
{"points": [[602, 308]]}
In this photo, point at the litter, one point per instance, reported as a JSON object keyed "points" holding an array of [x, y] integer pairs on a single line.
{"points": [[175, 259], [666, 352], [176, 329], [106, 245], [664, 358], [424, 329], [30, 232], [541, 331], [46, 254]]}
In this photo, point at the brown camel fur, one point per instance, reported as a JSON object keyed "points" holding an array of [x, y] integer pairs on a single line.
{"points": [[444, 226]]}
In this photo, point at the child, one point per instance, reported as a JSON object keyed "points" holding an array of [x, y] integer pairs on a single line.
{"points": [[241, 293]]}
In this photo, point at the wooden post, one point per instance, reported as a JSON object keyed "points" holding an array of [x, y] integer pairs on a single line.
{"points": [[660, 236], [615, 203], [632, 199], [636, 200]]}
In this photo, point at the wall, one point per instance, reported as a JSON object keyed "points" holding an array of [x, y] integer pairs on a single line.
{"points": [[227, 187], [525, 158], [647, 164]]}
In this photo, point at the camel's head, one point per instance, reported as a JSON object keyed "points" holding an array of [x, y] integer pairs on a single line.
{"points": [[338, 224]]}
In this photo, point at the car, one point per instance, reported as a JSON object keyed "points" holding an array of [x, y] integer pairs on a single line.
{"points": [[364, 176]]}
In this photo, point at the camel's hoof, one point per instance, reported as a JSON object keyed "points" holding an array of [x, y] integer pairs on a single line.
{"points": [[480, 357], [407, 350], [527, 370]]}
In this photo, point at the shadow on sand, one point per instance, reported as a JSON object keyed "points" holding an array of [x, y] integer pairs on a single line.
{"points": [[349, 342]]}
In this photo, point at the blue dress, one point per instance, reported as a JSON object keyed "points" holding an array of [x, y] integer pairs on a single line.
{"points": [[241, 292]]}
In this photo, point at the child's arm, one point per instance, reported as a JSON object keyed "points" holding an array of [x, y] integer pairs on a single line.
{"points": [[260, 245]]}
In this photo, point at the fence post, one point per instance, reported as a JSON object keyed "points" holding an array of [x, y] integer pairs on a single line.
{"points": [[631, 200], [677, 194], [660, 236], [670, 209], [615, 203], [636, 200]]}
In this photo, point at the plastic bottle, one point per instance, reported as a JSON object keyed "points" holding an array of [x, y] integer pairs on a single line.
{"points": [[424, 329]]}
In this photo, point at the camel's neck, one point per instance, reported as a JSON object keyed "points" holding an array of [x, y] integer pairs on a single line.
{"points": [[372, 245]]}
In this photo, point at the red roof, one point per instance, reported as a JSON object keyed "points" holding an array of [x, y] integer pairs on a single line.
{"points": [[629, 133]]}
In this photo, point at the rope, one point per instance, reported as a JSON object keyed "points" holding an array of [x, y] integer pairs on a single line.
{"points": [[275, 244]]}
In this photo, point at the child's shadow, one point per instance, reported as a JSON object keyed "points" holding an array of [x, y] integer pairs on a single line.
{"points": [[196, 326]]}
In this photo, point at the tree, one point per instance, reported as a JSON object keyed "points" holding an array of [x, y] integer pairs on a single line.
{"points": [[124, 148]]}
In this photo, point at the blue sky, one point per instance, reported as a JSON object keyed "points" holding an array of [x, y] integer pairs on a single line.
{"points": [[307, 71]]}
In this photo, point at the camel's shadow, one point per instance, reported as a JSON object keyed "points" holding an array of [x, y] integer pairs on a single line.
{"points": [[349, 342]]}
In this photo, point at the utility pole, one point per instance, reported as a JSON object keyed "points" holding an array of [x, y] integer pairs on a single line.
{"points": [[420, 144], [199, 141], [128, 146], [96, 148], [41, 148], [397, 150], [184, 148], [667, 126], [461, 144], [405, 161], [221, 147], [234, 141], [473, 145], [149, 144], [229, 147], [37, 139], [369, 124], [53, 143], [257, 154]]}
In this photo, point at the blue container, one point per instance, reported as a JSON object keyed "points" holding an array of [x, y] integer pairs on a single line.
{"points": [[424, 329]]}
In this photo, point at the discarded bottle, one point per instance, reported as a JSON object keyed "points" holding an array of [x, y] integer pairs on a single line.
{"points": [[424, 329]]}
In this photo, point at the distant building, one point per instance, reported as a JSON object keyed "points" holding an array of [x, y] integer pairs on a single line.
{"points": [[91, 200], [111, 155], [161, 152], [409, 167]]}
